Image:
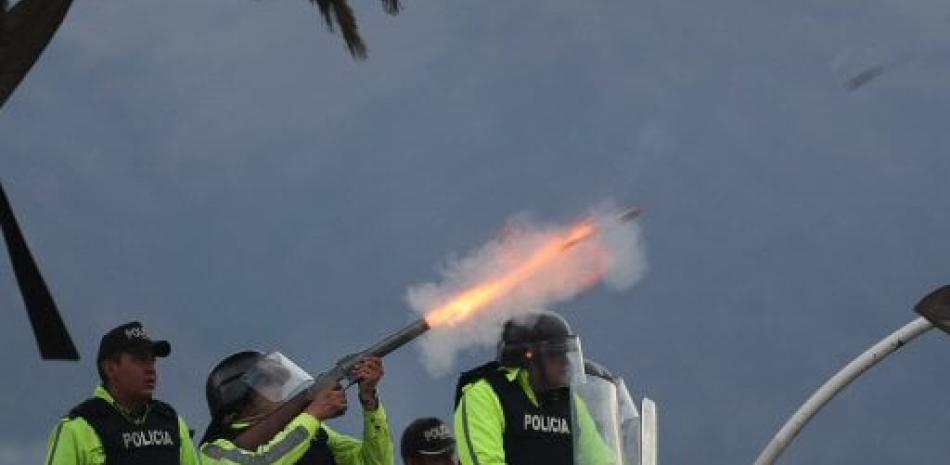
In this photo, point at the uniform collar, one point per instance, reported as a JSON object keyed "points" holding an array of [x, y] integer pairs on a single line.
{"points": [[103, 393], [521, 375]]}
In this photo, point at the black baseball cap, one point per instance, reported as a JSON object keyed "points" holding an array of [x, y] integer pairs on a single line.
{"points": [[426, 436], [128, 338]]}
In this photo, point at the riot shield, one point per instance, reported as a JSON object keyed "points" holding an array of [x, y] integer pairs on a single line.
{"points": [[607, 426], [649, 436], [630, 426]]}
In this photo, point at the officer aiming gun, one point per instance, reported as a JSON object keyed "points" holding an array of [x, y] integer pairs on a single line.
{"points": [[285, 388], [286, 393]]}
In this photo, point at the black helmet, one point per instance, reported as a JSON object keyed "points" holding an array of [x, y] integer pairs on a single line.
{"points": [[426, 437], [524, 335], [225, 390]]}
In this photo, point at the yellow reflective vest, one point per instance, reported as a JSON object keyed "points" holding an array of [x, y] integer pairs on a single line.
{"points": [[480, 424], [291, 443], [75, 442]]}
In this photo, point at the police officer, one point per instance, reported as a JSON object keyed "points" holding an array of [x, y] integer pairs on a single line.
{"points": [[247, 390], [122, 424], [428, 441], [516, 410]]}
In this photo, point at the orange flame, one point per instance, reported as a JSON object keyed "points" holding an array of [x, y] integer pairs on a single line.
{"points": [[483, 295]]}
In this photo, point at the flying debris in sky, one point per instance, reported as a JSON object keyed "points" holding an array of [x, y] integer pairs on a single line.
{"points": [[864, 77], [339, 12]]}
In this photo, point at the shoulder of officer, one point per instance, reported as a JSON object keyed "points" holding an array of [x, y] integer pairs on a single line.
{"points": [[489, 370], [94, 407], [97, 407], [163, 409]]}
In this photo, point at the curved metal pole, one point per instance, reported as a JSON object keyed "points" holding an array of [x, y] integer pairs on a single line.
{"points": [[836, 384]]}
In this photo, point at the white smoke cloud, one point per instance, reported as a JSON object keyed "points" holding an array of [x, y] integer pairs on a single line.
{"points": [[615, 256]]}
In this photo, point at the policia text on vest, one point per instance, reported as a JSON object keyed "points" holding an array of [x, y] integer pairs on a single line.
{"points": [[546, 424], [500, 420], [97, 432], [122, 424], [517, 410]]}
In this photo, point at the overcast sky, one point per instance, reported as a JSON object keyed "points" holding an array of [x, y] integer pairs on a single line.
{"points": [[224, 172]]}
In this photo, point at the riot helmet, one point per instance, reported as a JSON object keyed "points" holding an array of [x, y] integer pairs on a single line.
{"points": [[544, 344], [252, 377], [224, 389]]}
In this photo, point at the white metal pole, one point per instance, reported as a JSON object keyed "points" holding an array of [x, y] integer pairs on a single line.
{"points": [[836, 384]]}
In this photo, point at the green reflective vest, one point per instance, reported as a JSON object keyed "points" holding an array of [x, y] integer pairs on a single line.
{"points": [[75, 442], [290, 444], [480, 424]]}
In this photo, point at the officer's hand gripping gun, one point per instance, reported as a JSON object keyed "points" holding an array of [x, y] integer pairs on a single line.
{"points": [[265, 429]]}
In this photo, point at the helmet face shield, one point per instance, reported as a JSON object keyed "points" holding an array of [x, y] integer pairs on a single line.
{"points": [[556, 363], [276, 378]]}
